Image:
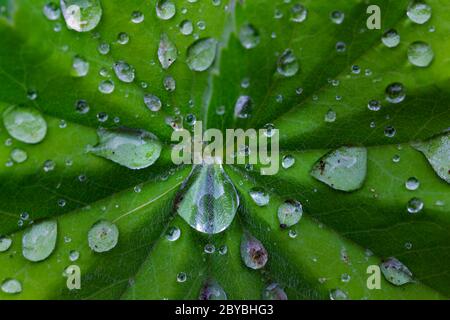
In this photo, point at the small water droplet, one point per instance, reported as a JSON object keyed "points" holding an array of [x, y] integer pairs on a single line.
{"points": [[274, 292], [395, 93], [80, 67], [38, 241], [211, 290], [391, 38], [396, 272], [5, 243], [124, 71], [19, 155], [253, 253], [152, 102], [412, 183], [186, 27], [289, 213], [338, 294], [173, 234], [81, 106], [414, 205], [167, 52], [374, 105], [249, 36], [181, 277], [243, 107], [259, 196], [137, 17], [420, 54], [201, 54], [11, 286], [287, 64], [337, 17], [123, 38], [49, 165], [209, 248], [74, 255], [169, 83], [103, 236], [165, 9], [51, 11]]}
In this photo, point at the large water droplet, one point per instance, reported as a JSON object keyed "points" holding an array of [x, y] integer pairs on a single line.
{"points": [[396, 272], [437, 152], [211, 290], [201, 54], [208, 200], [342, 169], [274, 292], [134, 149], [25, 124], [124, 71], [249, 36], [165, 9], [11, 286], [167, 52], [103, 236], [259, 196], [289, 213], [287, 64], [418, 12], [81, 15], [420, 54], [253, 253], [38, 241], [395, 93], [5, 243]]}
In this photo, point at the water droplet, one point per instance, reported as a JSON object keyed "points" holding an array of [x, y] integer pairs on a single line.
{"points": [[259, 196], [274, 292], [137, 17], [330, 116], [81, 106], [209, 248], [181, 277], [337, 17], [418, 12], [152, 102], [208, 200], [169, 83], [25, 124], [186, 27], [104, 48], [123, 38], [243, 107], [74, 255], [391, 38], [124, 71], [38, 241], [5, 243], [134, 149], [19, 155], [80, 67], [395, 93], [414, 205], [167, 52], [173, 234], [81, 15], [338, 294], [374, 105], [106, 87], [211, 290], [51, 11], [287, 161], [49, 165], [253, 253], [420, 54], [289, 213], [102, 116], [249, 36], [412, 183], [11, 286], [298, 13], [341, 47], [201, 54], [396, 272], [437, 152], [223, 250], [390, 131], [165, 9], [287, 64], [292, 234], [103, 236], [342, 169]]}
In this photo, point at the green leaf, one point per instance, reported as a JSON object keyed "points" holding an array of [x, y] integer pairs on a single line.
{"points": [[357, 120]]}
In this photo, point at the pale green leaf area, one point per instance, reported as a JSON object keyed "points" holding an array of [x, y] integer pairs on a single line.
{"points": [[364, 159]]}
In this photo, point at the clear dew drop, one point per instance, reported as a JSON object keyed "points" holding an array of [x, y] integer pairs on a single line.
{"points": [[106, 86], [25, 124], [396, 272], [167, 51], [330, 116], [391, 38], [414, 205], [211, 290], [169, 83], [338, 294], [412, 184], [181, 277], [137, 17], [274, 292], [123, 38], [342, 169], [103, 236], [186, 27], [201, 54], [390, 131], [103, 48], [298, 13], [374, 105], [260, 196], [19, 155], [395, 93], [74, 255], [243, 107], [11, 286], [337, 17], [173, 234], [249, 36], [49, 165], [420, 54], [124, 71], [437, 152], [287, 64], [39, 240], [80, 67], [253, 253], [418, 12], [81, 15], [51, 11], [5, 243], [287, 161], [207, 200], [152, 102], [209, 248], [82, 107], [165, 9], [223, 250], [289, 213], [134, 149]]}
